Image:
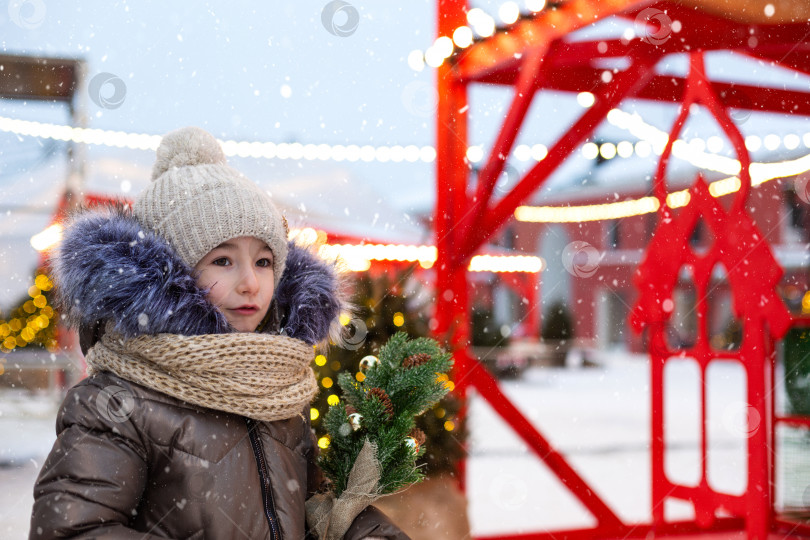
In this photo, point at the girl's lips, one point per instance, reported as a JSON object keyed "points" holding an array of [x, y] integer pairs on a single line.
{"points": [[246, 310]]}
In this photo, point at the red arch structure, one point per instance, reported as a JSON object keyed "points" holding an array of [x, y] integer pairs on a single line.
{"points": [[534, 54]]}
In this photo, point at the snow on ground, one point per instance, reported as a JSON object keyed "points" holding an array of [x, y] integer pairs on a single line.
{"points": [[597, 417]]}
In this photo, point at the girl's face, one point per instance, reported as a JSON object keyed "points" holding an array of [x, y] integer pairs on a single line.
{"points": [[239, 276]]}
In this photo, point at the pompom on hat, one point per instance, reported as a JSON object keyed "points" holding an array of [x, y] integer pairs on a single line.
{"points": [[196, 201]]}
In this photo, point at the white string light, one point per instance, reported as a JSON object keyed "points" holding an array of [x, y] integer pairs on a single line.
{"points": [[653, 139], [692, 152], [358, 257], [244, 149]]}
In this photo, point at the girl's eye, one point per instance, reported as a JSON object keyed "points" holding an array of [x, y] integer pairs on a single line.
{"points": [[222, 261], [264, 263]]}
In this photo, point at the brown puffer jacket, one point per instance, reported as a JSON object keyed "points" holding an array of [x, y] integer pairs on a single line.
{"points": [[130, 462]]}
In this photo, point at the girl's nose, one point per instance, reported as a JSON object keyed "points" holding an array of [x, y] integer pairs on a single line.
{"points": [[249, 282]]}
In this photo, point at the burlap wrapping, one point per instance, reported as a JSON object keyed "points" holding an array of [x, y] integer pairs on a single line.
{"points": [[329, 517], [261, 376]]}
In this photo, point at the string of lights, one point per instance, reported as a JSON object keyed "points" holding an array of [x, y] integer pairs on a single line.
{"points": [[651, 140], [358, 257], [480, 24], [244, 149], [693, 152]]}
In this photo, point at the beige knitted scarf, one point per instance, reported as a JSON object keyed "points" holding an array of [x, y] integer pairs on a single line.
{"points": [[260, 376]]}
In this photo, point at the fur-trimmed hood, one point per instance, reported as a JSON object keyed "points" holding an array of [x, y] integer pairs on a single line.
{"points": [[110, 268]]}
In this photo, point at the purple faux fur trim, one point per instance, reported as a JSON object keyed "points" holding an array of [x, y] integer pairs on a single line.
{"points": [[309, 296], [109, 268]]}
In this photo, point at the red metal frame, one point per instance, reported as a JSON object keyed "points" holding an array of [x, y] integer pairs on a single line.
{"points": [[533, 55], [753, 275]]}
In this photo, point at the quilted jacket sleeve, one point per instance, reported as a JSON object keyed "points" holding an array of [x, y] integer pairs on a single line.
{"points": [[93, 479]]}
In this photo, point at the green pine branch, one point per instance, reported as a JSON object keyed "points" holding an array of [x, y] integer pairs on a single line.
{"points": [[387, 401]]}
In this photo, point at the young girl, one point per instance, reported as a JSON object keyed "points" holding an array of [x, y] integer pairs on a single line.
{"points": [[198, 321]]}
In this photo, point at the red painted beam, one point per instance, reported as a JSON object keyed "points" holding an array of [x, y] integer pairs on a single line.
{"points": [[527, 84], [489, 54], [796, 421], [608, 96], [670, 89], [451, 326], [587, 53], [492, 59], [645, 530]]}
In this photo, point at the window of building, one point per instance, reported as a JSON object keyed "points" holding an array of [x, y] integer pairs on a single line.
{"points": [[613, 234], [797, 218]]}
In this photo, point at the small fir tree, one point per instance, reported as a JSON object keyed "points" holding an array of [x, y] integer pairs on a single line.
{"points": [[558, 325], [408, 378]]}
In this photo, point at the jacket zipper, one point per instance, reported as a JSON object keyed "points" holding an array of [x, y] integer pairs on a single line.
{"points": [[264, 477]]}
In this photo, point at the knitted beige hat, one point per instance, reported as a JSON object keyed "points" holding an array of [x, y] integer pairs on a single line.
{"points": [[196, 201]]}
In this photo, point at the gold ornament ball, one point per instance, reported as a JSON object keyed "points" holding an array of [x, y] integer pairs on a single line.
{"points": [[354, 420], [368, 362]]}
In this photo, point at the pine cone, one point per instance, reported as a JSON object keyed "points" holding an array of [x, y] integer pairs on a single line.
{"points": [[380, 394], [416, 360], [419, 435]]}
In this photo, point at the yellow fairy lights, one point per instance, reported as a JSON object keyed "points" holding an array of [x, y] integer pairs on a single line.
{"points": [[30, 319], [448, 384]]}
